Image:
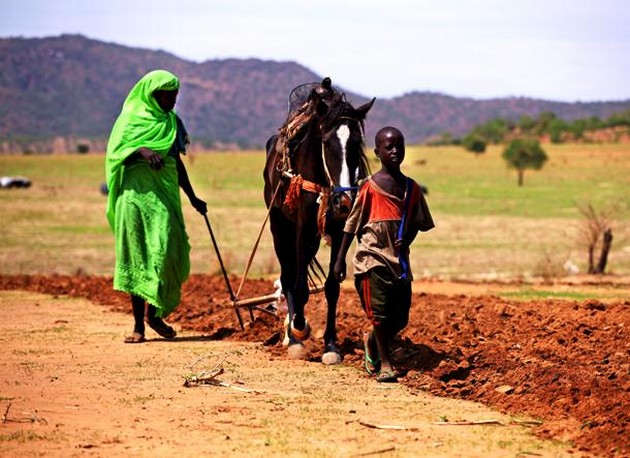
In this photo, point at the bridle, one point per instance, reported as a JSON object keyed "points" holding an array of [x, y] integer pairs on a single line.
{"points": [[338, 199]]}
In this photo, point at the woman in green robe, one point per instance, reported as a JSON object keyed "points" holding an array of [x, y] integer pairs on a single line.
{"points": [[144, 172]]}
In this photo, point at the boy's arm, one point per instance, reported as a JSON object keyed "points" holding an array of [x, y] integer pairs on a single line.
{"points": [[339, 270], [184, 183], [421, 221], [409, 237], [350, 229]]}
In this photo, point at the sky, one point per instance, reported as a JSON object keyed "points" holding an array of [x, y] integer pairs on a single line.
{"points": [[562, 50]]}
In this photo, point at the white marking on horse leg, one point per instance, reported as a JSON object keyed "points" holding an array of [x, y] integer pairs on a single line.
{"points": [[343, 134]]}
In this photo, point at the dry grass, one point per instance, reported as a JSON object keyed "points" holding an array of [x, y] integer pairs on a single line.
{"points": [[486, 226]]}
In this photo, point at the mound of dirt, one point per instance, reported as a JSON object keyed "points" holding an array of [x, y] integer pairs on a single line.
{"points": [[563, 362]]}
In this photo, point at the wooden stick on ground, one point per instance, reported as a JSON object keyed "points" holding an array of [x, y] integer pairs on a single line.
{"points": [[378, 452], [396, 427], [33, 419], [468, 423], [204, 377]]}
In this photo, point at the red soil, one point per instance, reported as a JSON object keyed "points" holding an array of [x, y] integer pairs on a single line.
{"points": [[563, 362]]}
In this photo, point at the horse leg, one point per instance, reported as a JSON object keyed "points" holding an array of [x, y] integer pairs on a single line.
{"points": [[306, 246], [331, 289], [284, 240], [297, 327], [299, 296]]}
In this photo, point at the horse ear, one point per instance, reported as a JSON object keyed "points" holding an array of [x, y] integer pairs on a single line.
{"points": [[363, 109]]}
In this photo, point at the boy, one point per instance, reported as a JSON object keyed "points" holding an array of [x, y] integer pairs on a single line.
{"points": [[386, 217]]}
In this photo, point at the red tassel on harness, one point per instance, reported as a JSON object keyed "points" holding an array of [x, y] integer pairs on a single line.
{"points": [[293, 193], [292, 198]]}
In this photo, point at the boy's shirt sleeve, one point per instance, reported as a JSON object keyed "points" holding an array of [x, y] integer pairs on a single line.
{"points": [[353, 223], [423, 219]]}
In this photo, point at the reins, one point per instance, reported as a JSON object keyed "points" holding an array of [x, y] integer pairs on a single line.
{"points": [[255, 248]]}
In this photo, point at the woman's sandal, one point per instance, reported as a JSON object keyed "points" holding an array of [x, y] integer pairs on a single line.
{"points": [[372, 366], [162, 328], [134, 337]]}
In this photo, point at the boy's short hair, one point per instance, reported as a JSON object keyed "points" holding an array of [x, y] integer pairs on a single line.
{"points": [[385, 129]]}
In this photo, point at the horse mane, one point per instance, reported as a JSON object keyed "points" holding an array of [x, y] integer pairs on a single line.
{"points": [[304, 119]]}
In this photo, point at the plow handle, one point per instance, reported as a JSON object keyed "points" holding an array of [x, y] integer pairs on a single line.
{"points": [[216, 249]]}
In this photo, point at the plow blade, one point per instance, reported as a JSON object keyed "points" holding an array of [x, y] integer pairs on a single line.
{"points": [[254, 303]]}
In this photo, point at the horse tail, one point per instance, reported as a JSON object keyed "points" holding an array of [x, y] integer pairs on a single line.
{"points": [[316, 273]]}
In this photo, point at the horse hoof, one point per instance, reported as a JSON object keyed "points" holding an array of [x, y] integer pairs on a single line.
{"points": [[296, 351], [331, 357]]}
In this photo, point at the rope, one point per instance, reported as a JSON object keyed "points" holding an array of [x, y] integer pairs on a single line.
{"points": [[262, 228], [293, 193], [308, 186], [321, 213], [297, 184]]}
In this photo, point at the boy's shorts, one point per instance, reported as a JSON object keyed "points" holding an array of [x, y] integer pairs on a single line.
{"points": [[385, 298]]}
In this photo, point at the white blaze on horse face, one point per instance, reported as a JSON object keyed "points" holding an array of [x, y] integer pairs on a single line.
{"points": [[343, 134]]}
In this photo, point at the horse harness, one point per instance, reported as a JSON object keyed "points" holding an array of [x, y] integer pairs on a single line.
{"points": [[297, 183]]}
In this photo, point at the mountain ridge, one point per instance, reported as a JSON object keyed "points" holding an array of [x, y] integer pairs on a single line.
{"points": [[71, 86]]}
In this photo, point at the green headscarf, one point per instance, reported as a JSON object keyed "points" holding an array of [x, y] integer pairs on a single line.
{"points": [[141, 123]]}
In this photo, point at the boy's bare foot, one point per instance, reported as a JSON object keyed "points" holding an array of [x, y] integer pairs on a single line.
{"points": [[159, 326], [134, 337]]}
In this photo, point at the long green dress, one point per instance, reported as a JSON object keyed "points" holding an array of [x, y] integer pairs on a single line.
{"points": [[144, 207]]}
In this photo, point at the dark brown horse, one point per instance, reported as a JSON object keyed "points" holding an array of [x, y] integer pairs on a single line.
{"points": [[311, 177]]}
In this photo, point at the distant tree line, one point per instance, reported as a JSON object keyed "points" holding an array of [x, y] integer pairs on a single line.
{"points": [[546, 124]]}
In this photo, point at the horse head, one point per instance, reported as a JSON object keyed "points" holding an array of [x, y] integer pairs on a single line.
{"points": [[342, 129], [322, 141]]}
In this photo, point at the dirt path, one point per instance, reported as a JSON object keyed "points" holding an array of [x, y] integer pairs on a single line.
{"points": [[70, 387]]}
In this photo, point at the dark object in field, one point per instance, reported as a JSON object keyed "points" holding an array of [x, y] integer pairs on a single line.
{"points": [[15, 182], [104, 189]]}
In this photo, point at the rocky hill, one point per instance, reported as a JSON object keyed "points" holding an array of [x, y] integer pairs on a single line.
{"points": [[72, 87]]}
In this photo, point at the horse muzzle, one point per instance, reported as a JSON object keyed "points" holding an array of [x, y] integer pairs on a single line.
{"points": [[341, 203]]}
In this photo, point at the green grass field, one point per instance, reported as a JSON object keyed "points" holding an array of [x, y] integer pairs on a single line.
{"points": [[487, 226]]}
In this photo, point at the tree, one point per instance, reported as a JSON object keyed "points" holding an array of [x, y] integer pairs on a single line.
{"points": [[556, 128], [474, 144], [541, 125], [526, 124], [493, 131], [596, 233], [524, 153]]}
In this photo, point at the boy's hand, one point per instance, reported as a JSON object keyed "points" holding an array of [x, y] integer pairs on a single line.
{"points": [[339, 270], [199, 205]]}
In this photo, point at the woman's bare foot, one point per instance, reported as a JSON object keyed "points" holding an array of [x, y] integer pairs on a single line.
{"points": [[159, 326], [135, 337]]}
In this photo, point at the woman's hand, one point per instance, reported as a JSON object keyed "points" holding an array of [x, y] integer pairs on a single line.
{"points": [[199, 205], [156, 162]]}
